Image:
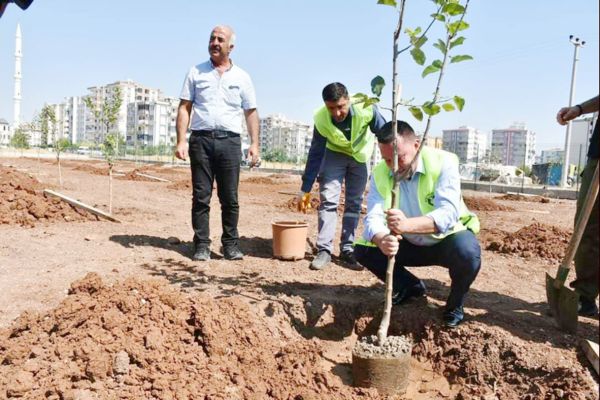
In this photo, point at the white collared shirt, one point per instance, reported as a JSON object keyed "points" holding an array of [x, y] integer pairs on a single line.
{"points": [[218, 100]]}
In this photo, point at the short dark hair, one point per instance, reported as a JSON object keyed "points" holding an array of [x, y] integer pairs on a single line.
{"points": [[334, 91], [385, 136]]}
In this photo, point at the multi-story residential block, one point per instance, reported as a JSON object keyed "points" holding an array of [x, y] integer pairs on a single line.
{"points": [[552, 156], [5, 132], [513, 146], [131, 92], [152, 122], [435, 142], [581, 132], [469, 144], [279, 133]]}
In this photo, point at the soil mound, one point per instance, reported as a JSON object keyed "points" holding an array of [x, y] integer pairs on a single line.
{"points": [[492, 365], [145, 339], [536, 240], [134, 176], [518, 197], [22, 202], [483, 204], [92, 170], [273, 179], [292, 204], [184, 184]]}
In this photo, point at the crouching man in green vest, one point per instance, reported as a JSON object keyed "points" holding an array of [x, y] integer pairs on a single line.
{"points": [[429, 224], [340, 150]]}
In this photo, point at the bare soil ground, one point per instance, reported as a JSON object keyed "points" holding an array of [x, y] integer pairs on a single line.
{"points": [[94, 309]]}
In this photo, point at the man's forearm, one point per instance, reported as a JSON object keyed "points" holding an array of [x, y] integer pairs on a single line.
{"points": [[590, 106], [422, 224], [252, 124]]}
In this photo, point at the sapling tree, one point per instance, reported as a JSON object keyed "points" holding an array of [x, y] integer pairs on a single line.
{"points": [[109, 151], [107, 114], [60, 145], [449, 13]]}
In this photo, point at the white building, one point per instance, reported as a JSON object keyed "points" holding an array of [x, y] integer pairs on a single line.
{"points": [[513, 146], [130, 92], [152, 123], [5, 133], [581, 132], [469, 144], [291, 137], [552, 156]]}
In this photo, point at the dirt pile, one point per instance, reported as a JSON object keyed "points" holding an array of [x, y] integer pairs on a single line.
{"points": [[91, 169], [183, 184], [292, 204], [535, 240], [22, 202], [272, 179], [144, 339], [488, 364], [483, 204], [134, 176], [519, 197]]}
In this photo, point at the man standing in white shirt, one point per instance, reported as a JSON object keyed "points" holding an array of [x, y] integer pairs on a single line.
{"points": [[214, 95]]}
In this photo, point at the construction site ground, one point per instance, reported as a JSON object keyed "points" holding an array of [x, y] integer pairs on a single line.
{"points": [[92, 309]]}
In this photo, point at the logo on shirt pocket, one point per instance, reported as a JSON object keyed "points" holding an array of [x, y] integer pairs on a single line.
{"points": [[430, 199]]}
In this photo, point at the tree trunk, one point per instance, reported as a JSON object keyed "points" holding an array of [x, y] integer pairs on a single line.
{"points": [[110, 168], [60, 183]]}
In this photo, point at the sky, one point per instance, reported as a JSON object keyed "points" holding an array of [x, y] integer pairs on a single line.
{"points": [[521, 70]]}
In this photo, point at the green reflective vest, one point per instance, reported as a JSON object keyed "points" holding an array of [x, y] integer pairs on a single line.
{"points": [[361, 143], [433, 160]]}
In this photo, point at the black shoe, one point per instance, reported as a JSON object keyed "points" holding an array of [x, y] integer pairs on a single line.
{"points": [[321, 261], [347, 257], [453, 317], [202, 253], [233, 253], [404, 294], [587, 307]]}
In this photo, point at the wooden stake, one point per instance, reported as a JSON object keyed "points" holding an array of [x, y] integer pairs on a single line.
{"points": [[152, 177], [77, 203], [590, 350]]}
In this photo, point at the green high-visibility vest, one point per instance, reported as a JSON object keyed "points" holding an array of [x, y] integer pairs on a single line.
{"points": [[361, 143], [433, 159]]}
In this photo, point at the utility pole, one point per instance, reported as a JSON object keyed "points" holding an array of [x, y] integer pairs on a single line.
{"points": [[565, 169]]}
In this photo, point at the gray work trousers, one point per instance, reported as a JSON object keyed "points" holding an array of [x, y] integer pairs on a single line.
{"points": [[335, 168]]}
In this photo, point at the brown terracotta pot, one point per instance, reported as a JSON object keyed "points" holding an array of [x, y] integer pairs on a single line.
{"points": [[289, 239]]}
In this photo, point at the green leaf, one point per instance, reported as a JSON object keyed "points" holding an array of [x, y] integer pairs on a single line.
{"points": [[416, 112], [462, 57], [360, 97], [387, 2], [438, 17], [457, 42], [377, 85], [448, 107], [371, 101], [431, 109], [457, 26], [418, 55], [430, 69], [440, 45], [453, 9], [437, 64], [460, 102], [418, 42]]}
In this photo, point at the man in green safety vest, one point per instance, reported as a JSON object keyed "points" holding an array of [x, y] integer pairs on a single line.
{"points": [[428, 225], [339, 153]]}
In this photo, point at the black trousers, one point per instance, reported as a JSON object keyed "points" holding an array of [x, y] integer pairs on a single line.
{"points": [[215, 158], [460, 253]]}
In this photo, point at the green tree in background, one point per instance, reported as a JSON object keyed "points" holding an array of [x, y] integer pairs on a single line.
{"points": [[106, 115]]}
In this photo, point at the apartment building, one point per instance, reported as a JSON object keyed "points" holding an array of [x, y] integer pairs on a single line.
{"points": [[152, 122], [468, 143], [291, 137], [513, 146], [581, 132], [5, 132], [552, 156], [435, 142]]}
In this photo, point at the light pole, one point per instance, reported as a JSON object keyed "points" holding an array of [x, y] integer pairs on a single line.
{"points": [[565, 169]]}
